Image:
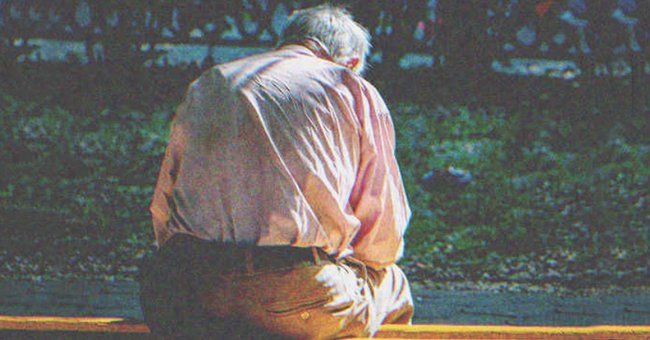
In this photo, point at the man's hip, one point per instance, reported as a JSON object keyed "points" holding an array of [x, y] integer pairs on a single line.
{"points": [[196, 286]]}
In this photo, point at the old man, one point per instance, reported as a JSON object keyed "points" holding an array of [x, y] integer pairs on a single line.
{"points": [[279, 209]]}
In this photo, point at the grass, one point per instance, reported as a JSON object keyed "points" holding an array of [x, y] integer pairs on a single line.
{"points": [[555, 196]]}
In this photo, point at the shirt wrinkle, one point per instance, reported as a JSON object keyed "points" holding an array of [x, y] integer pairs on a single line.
{"points": [[284, 148]]}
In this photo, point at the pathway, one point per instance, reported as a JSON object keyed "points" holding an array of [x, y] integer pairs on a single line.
{"points": [[433, 306]]}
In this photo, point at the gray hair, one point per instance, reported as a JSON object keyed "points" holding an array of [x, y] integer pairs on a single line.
{"points": [[335, 28]]}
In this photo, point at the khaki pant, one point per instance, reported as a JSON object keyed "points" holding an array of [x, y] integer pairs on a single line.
{"points": [[184, 294]]}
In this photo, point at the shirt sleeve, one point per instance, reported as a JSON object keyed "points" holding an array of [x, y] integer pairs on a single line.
{"points": [[162, 205], [378, 197]]}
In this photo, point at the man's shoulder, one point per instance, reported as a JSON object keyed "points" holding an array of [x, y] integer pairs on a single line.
{"points": [[291, 60], [368, 86], [292, 65], [208, 80], [239, 72], [235, 64]]}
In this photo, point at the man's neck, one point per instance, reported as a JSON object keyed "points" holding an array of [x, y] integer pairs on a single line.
{"points": [[318, 49]]}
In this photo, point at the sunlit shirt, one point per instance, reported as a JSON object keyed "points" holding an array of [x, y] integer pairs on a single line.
{"points": [[284, 148]]}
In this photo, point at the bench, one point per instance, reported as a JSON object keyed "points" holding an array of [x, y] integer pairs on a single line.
{"points": [[115, 326]]}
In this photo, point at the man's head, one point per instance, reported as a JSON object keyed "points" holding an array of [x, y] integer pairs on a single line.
{"points": [[347, 41]]}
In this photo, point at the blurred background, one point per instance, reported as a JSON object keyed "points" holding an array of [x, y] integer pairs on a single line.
{"points": [[522, 129]]}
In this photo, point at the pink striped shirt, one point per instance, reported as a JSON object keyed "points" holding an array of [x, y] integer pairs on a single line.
{"points": [[284, 148]]}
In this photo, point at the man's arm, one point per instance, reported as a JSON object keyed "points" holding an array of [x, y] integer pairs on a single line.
{"points": [[378, 198]]}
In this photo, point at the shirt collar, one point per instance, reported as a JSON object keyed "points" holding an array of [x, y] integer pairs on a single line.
{"points": [[318, 48], [315, 47]]}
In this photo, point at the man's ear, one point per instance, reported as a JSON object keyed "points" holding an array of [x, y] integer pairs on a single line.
{"points": [[352, 63]]}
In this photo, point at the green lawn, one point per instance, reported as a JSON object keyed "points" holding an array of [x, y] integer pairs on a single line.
{"points": [[555, 196]]}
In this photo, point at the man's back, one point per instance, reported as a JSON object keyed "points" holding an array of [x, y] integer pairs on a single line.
{"points": [[270, 148], [279, 207]]}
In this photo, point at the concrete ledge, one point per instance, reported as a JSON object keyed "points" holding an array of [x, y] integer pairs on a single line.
{"points": [[75, 324], [512, 332], [118, 325]]}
